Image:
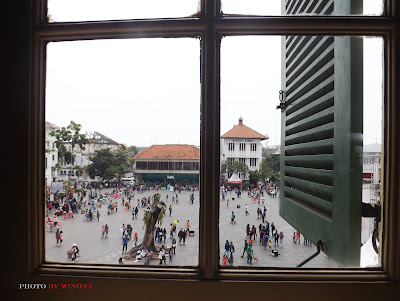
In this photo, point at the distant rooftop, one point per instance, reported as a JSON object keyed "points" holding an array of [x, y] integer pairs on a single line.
{"points": [[243, 131], [372, 148], [97, 137], [50, 125], [170, 151]]}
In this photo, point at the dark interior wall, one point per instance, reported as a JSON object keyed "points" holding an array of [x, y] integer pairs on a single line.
{"points": [[15, 230]]}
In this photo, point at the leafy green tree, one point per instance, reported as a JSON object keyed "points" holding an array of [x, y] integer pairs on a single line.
{"points": [[270, 168], [102, 161], [78, 171], [233, 166], [69, 135], [254, 177], [132, 150], [108, 164]]}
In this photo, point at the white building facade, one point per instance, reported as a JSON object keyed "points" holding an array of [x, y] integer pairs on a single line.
{"points": [[97, 142], [51, 155], [242, 144], [56, 170], [372, 154]]}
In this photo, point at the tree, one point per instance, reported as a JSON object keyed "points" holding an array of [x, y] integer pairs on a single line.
{"points": [[108, 164], [78, 171], [254, 177], [122, 160], [151, 217], [270, 168], [234, 166], [132, 150], [101, 166], [69, 135]]}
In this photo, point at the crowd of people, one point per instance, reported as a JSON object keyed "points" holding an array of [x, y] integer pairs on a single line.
{"points": [[270, 238]]}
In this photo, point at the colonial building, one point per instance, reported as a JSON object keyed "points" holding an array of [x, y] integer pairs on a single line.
{"points": [[242, 144], [168, 163], [372, 162], [51, 155], [97, 141], [62, 172]]}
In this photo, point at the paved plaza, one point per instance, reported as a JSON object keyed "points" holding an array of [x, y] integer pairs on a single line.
{"points": [[94, 249]]}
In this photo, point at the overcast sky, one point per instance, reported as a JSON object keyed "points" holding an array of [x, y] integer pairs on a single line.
{"points": [[147, 91]]}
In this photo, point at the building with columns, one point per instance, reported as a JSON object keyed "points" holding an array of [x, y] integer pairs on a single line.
{"points": [[170, 163], [242, 144]]}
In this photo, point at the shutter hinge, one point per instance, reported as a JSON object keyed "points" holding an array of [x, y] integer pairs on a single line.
{"points": [[282, 100], [371, 210]]}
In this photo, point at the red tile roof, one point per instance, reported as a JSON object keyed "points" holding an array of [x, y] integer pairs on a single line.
{"points": [[170, 151], [242, 131]]}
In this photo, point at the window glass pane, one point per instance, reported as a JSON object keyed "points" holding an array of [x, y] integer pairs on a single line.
{"points": [[300, 159], [303, 7], [94, 10], [134, 106]]}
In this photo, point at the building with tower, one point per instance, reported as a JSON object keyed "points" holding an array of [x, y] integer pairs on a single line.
{"points": [[242, 144]]}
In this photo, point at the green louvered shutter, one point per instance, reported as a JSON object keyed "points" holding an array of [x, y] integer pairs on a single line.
{"points": [[321, 149]]}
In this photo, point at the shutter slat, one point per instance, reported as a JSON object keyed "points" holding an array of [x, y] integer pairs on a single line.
{"points": [[321, 176], [321, 191], [311, 121], [316, 106], [323, 88], [310, 161], [318, 206], [318, 133], [310, 148]]}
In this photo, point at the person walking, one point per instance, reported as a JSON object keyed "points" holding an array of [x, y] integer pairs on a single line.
{"points": [[125, 244], [231, 248], [297, 236], [247, 210], [57, 236], [226, 248], [123, 230], [281, 236], [135, 239], [249, 254], [98, 215], [170, 256], [170, 210], [227, 203], [187, 226], [174, 245], [276, 237], [233, 218], [103, 230], [106, 230], [60, 238], [161, 255]]}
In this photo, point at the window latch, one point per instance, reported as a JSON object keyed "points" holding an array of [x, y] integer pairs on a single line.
{"points": [[282, 100], [320, 246]]}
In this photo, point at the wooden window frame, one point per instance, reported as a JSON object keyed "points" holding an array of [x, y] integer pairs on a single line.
{"points": [[211, 26]]}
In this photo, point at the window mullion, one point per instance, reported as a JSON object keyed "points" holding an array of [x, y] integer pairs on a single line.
{"points": [[210, 149]]}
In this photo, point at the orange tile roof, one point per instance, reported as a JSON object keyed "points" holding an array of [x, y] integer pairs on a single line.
{"points": [[242, 131], [170, 151]]}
